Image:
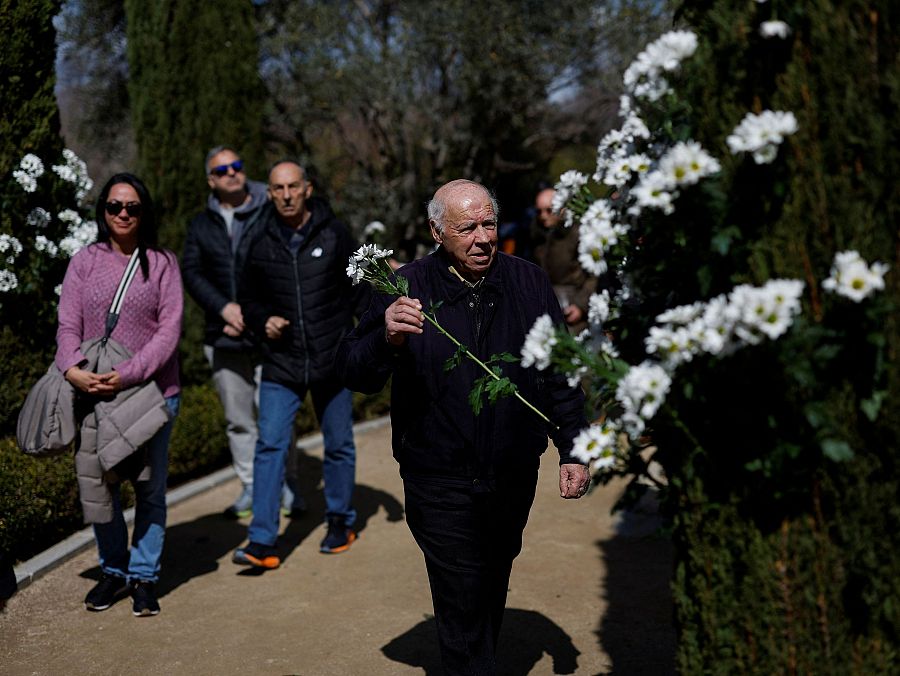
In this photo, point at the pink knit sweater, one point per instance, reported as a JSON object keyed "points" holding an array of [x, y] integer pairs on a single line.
{"points": [[149, 322]]}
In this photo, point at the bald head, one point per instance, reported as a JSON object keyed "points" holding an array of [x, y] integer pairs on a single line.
{"points": [[463, 219], [289, 190], [543, 206]]}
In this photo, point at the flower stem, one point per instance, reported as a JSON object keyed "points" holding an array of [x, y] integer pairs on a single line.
{"points": [[484, 366]]}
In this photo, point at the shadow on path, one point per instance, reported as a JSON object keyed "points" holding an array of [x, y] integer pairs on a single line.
{"points": [[524, 638], [637, 631], [194, 548]]}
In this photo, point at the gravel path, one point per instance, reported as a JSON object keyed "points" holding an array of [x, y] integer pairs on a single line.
{"points": [[588, 595]]}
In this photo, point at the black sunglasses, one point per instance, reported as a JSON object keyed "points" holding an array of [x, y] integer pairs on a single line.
{"points": [[222, 169], [114, 208]]}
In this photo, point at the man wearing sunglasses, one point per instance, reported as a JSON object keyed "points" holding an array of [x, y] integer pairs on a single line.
{"points": [[214, 251]]}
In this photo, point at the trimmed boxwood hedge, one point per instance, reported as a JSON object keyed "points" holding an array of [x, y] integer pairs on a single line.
{"points": [[39, 497]]}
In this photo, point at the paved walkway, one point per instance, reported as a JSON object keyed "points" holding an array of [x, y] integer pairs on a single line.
{"points": [[588, 595]]}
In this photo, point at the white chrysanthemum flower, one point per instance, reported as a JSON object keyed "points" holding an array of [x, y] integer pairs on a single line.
{"points": [[373, 228], [8, 281], [673, 346], [74, 171], [38, 218], [653, 191], [643, 78], [57, 289], [596, 445], [853, 278], [762, 134], [41, 243], [598, 308], [569, 185], [80, 235], [766, 311], [681, 314], [634, 127], [10, 244], [595, 238], [718, 321], [539, 343], [774, 29], [686, 163], [70, 216], [599, 214], [30, 169], [641, 392], [355, 271]]}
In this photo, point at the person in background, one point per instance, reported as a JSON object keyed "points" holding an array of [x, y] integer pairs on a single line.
{"points": [[214, 251], [299, 301], [556, 251], [149, 326]]}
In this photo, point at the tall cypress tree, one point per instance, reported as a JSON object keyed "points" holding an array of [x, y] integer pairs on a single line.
{"points": [[29, 117], [194, 83]]}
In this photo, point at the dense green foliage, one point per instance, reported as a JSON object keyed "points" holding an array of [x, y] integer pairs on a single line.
{"points": [[29, 123], [783, 459], [391, 99], [193, 84], [39, 497], [29, 119]]}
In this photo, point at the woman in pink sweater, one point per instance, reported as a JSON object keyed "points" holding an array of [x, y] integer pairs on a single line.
{"points": [[149, 326]]}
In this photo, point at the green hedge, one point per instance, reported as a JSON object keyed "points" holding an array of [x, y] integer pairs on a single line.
{"points": [[39, 497]]}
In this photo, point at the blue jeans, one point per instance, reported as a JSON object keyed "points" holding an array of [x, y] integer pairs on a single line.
{"points": [[278, 405], [149, 515]]}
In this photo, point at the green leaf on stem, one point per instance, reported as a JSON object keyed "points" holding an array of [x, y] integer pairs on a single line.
{"points": [[872, 405], [475, 400], [837, 450], [455, 360]]}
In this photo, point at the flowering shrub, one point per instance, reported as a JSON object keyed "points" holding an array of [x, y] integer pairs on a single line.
{"points": [[648, 170], [43, 223]]}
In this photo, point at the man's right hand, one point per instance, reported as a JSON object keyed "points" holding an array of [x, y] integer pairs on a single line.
{"points": [[402, 317], [275, 326], [234, 319]]}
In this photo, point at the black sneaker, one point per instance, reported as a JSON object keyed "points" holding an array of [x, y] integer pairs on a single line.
{"points": [[338, 539], [143, 596], [257, 555], [107, 591]]}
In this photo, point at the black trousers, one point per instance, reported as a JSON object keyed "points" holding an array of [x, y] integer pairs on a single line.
{"points": [[469, 536]]}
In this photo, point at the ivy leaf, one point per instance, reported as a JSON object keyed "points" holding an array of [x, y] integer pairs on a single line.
{"points": [[872, 405], [837, 450]]}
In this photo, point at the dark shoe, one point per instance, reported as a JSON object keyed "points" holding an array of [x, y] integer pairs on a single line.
{"points": [[338, 539], [107, 591], [143, 596], [242, 507], [257, 555]]}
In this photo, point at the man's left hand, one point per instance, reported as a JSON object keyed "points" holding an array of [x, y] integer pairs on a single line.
{"points": [[574, 480]]}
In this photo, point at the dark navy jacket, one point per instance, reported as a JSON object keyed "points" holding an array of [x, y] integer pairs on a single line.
{"points": [[309, 288], [211, 265], [435, 432]]}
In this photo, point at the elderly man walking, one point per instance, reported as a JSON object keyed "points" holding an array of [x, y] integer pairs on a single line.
{"points": [[469, 480], [298, 300]]}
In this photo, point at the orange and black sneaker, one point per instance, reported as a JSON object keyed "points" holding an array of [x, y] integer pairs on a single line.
{"points": [[339, 537], [257, 555]]}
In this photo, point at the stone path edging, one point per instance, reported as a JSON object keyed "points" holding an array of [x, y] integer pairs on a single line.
{"points": [[41, 564]]}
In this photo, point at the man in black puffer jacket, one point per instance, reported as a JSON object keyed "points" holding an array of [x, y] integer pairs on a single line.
{"points": [[217, 242], [299, 302]]}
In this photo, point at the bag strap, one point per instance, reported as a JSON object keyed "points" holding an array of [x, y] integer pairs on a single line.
{"points": [[112, 317]]}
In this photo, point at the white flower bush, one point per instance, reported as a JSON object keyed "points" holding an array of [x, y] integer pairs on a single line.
{"points": [[643, 175], [34, 246]]}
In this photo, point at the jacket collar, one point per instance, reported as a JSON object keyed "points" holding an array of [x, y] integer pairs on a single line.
{"points": [[451, 287]]}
